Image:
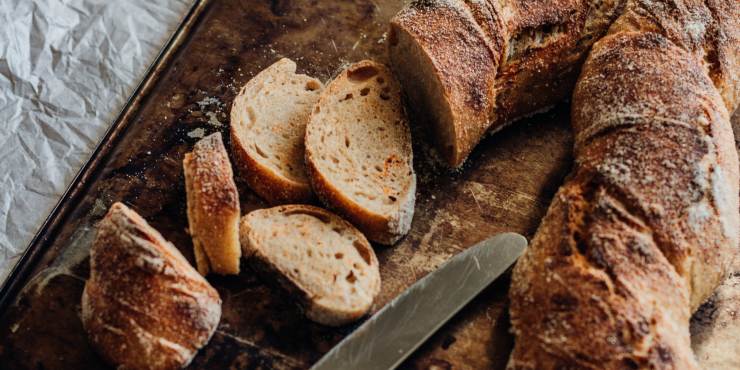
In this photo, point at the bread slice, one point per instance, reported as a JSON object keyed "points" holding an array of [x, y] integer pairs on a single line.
{"points": [[315, 254], [358, 152], [213, 207], [144, 306], [268, 122]]}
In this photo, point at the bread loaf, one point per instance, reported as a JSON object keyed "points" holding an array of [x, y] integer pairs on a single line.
{"points": [[322, 259], [474, 66], [268, 124], [144, 306], [213, 207], [646, 225], [358, 152]]}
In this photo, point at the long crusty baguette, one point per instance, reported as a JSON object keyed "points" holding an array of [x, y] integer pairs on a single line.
{"points": [[472, 66], [358, 152], [268, 123], [144, 306], [213, 207], [645, 227], [322, 259]]}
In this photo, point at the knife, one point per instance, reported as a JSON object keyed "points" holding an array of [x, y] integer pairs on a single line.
{"points": [[394, 332]]}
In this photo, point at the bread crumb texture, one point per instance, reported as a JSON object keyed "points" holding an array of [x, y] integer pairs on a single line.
{"points": [[316, 255]]}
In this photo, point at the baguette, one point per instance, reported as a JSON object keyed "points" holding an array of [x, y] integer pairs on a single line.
{"points": [[323, 259], [644, 229], [268, 123], [144, 306], [358, 152], [474, 66], [213, 207]]}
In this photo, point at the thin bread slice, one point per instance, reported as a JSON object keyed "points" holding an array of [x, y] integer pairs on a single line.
{"points": [[213, 207], [358, 152], [268, 122], [316, 255]]}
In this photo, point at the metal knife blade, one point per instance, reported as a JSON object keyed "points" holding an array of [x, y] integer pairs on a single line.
{"points": [[395, 331]]}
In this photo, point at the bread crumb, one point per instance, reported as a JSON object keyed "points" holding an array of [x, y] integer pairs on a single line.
{"points": [[198, 133]]}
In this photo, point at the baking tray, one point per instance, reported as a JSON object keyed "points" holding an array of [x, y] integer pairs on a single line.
{"points": [[506, 186]]}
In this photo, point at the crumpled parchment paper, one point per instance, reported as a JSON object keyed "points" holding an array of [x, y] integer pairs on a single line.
{"points": [[66, 69]]}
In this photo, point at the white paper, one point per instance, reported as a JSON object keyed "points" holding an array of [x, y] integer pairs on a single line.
{"points": [[66, 69]]}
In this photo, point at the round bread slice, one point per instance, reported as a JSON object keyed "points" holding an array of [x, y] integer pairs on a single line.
{"points": [[268, 122], [144, 306], [316, 255], [213, 207], [358, 152]]}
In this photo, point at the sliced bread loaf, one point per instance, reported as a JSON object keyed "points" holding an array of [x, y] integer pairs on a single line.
{"points": [[318, 256], [358, 152], [213, 207], [268, 122]]}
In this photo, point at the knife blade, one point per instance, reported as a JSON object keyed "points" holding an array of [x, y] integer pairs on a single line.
{"points": [[394, 332]]}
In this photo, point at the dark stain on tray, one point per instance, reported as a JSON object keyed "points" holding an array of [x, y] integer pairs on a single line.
{"points": [[506, 186]]}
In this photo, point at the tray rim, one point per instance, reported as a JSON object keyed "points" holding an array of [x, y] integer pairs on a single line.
{"points": [[18, 276]]}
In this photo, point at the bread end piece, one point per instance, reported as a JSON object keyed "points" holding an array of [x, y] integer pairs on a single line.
{"points": [[144, 306], [447, 74], [213, 207]]}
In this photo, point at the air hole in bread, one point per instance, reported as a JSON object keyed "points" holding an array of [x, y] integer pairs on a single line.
{"points": [[362, 73], [309, 252], [378, 168], [317, 109], [339, 256], [312, 86], [351, 277], [335, 160], [392, 198], [347, 97], [380, 80], [362, 250], [260, 152], [321, 217], [365, 91], [362, 194], [251, 115], [346, 141]]}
